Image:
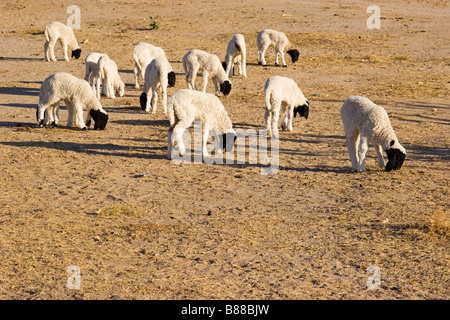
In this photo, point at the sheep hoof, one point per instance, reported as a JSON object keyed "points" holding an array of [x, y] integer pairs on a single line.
{"points": [[84, 129], [284, 66], [54, 124]]}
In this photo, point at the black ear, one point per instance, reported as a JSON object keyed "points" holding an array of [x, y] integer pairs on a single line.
{"points": [[143, 100], [228, 140], [225, 87], [392, 159], [294, 54], [392, 143], [171, 78], [224, 65], [76, 53], [295, 112]]}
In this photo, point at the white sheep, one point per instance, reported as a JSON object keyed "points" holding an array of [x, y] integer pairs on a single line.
{"points": [[77, 94], [196, 61], [55, 31], [143, 54], [186, 106], [268, 37], [108, 75], [158, 76], [283, 95], [366, 122], [236, 53], [91, 69]]}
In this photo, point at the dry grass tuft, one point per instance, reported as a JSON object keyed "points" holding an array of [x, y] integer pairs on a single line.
{"points": [[121, 210]]}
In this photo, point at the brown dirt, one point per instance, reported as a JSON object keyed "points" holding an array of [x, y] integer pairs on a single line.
{"points": [[141, 227]]}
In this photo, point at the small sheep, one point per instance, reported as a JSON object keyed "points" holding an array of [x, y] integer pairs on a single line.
{"points": [[268, 37], [91, 67], [77, 94], [55, 31], [186, 106], [283, 94], [108, 75], [366, 122], [158, 76], [196, 61], [143, 54], [236, 53]]}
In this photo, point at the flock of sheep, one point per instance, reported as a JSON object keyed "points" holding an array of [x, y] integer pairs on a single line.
{"points": [[364, 122]]}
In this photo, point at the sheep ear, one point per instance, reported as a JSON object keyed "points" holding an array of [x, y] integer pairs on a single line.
{"points": [[392, 159], [295, 112], [171, 79], [392, 143], [143, 100], [228, 140], [224, 65]]}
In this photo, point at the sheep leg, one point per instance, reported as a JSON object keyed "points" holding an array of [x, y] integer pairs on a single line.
{"points": [[190, 78], [164, 98], [262, 53], [352, 141], [51, 48], [110, 87], [204, 140], [46, 51], [277, 55], [379, 151], [282, 59], [177, 136], [136, 75], [275, 115], [205, 81], [155, 97], [65, 48], [169, 143], [268, 119], [362, 149]]}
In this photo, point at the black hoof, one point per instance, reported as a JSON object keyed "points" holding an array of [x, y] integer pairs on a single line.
{"points": [[54, 125], [285, 66]]}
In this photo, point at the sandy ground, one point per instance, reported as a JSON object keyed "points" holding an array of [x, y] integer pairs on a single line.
{"points": [[139, 226]]}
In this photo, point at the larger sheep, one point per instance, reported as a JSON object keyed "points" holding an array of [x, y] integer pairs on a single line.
{"points": [[282, 95], [236, 53], [108, 75], [143, 54], [158, 76], [55, 31], [196, 61], [366, 122], [186, 106], [77, 94], [279, 40]]}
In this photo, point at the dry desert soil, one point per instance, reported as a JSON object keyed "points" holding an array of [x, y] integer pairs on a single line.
{"points": [[139, 226]]}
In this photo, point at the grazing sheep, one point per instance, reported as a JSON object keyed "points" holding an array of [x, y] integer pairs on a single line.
{"points": [[77, 94], [283, 95], [143, 54], [186, 106], [366, 122], [196, 61], [236, 53], [268, 37], [108, 75], [158, 76], [55, 31], [91, 66]]}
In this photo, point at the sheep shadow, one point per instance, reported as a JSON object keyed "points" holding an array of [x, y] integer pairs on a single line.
{"points": [[19, 91], [426, 153], [140, 122], [20, 59], [103, 149], [19, 105]]}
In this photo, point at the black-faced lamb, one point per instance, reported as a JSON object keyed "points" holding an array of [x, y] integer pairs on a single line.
{"points": [[143, 54], [236, 54], [55, 31], [282, 95], [279, 40], [196, 61], [158, 76], [366, 122], [186, 106], [77, 95]]}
